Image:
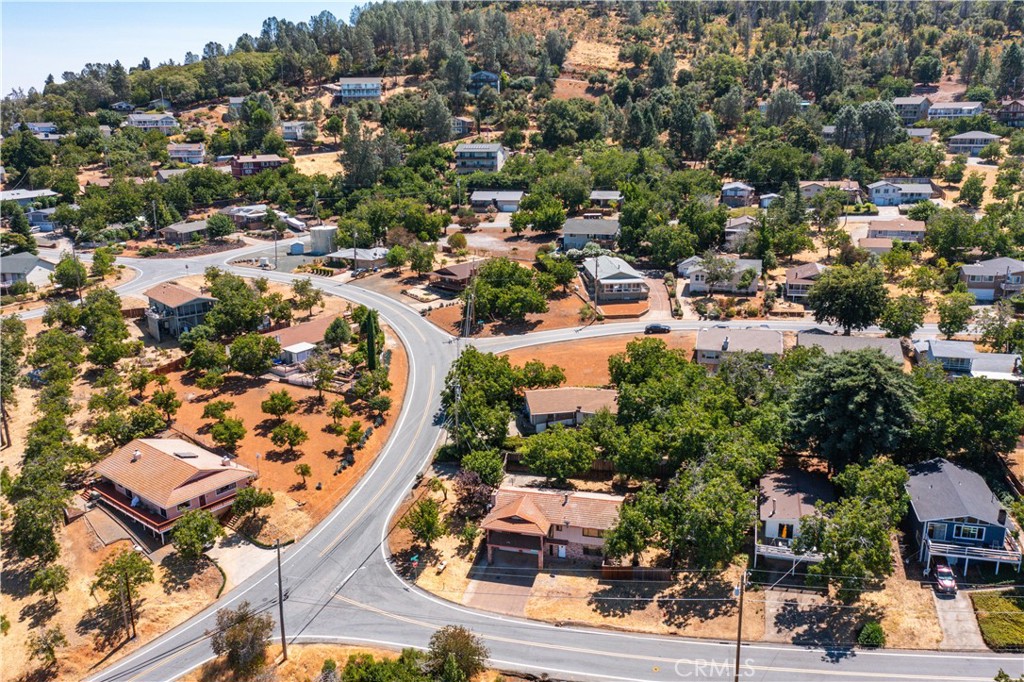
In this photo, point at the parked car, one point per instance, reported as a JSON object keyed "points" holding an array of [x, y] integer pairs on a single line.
{"points": [[945, 579], [657, 329]]}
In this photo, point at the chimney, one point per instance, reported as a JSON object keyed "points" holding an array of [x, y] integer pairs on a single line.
{"points": [[725, 344], [1001, 518], [773, 507], [565, 499], [137, 455]]}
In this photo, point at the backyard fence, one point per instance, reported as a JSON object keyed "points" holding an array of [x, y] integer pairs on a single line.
{"points": [[639, 573]]}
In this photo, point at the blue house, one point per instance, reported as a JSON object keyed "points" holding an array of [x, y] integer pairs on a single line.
{"points": [[482, 79], [954, 515]]}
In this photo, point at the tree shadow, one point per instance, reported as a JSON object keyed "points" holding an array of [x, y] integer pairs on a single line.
{"points": [[513, 328], [106, 621], [264, 427], [828, 625], [619, 599], [41, 674], [712, 598], [38, 612], [179, 572], [252, 526], [310, 404], [296, 487], [283, 456]]}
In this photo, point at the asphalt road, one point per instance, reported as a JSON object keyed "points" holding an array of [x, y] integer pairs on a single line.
{"points": [[341, 587]]}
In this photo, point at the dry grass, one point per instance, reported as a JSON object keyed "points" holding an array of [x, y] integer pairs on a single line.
{"points": [[323, 162]]}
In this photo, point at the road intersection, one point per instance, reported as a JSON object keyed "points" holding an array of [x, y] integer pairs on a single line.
{"points": [[341, 585]]}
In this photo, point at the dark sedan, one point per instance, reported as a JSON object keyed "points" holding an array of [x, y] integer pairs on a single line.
{"points": [[657, 329]]}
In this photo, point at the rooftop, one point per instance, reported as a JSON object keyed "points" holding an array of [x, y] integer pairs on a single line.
{"points": [[308, 332], [940, 489], [589, 226], [832, 344], [975, 135], [185, 227], [792, 493], [804, 273], [897, 225], [569, 399], [496, 195], [605, 267], [765, 341], [22, 263], [540, 509], [174, 295], [478, 147], [994, 266]]}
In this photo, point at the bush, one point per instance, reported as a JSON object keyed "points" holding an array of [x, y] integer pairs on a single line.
{"points": [[871, 635]]}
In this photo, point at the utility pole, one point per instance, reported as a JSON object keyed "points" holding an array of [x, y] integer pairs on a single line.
{"points": [[280, 601], [739, 626], [131, 607]]}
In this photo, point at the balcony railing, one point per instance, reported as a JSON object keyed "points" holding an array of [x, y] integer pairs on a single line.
{"points": [[785, 553]]}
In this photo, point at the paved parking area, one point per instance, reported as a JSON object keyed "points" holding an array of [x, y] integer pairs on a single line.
{"points": [[960, 631], [503, 586]]}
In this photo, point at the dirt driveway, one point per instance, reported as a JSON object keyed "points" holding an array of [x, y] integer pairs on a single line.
{"points": [[503, 586], [960, 630]]}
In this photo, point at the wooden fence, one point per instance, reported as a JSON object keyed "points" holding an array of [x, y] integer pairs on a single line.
{"points": [[172, 366], [638, 573], [132, 313]]}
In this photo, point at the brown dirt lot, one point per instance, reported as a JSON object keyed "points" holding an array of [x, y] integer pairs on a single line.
{"points": [[323, 162], [593, 372], [563, 311], [568, 88], [493, 242]]}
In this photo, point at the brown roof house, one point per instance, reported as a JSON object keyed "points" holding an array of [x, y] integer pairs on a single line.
{"points": [[457, 276], [801, 278], [787, 496], [557, 523], [174, 309], [299, 341], [153, 481], [569, 406]]}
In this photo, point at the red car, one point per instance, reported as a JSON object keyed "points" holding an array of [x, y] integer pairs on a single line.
{"points": [[945, 579]]}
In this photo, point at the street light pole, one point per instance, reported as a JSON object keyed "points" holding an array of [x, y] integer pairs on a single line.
{"points": [[280, 601]]}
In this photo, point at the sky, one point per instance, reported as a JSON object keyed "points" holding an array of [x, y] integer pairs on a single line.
{"points": [[40, 38]]}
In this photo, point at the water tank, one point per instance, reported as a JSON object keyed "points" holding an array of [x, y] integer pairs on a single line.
{"points": [[296, 249], [322, 239]]}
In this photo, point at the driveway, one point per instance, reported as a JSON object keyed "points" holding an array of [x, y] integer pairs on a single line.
{"points": [[959, 625], [660, 305], [239, 558], [503, 586]]}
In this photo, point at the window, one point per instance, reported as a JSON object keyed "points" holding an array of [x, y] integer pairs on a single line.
{"points": [[786, 531], [221, 491], [593, 533], [969, 532], [185, 506], [592, 551]]}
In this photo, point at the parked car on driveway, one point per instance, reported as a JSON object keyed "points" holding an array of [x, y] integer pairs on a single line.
{"points": [[945, 579], [657, 329]]}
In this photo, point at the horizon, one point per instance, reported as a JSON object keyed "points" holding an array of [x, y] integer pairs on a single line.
{"points": [[106, 31]]}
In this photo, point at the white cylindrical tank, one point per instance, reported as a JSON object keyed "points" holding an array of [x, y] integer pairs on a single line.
{"points": [[322, 239]]}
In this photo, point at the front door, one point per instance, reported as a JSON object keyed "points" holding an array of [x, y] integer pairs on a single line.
{"points": [[561, 551]]}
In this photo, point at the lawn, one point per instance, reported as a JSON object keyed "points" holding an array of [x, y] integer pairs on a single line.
{"points": [[1001, 618]]}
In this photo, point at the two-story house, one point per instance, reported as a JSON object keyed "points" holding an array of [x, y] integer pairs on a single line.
{"points": [[358, 88], [293, 131], [253, 164], [950, 110], [556, 523], [737, 194], [786, 497], [567, 405], [187, 152], [714, 343], [801, 278], [480, 156], [578, 232], [912, 109], [1011, 113], [611, 279], [174, 309], [165, 123], [35, 127], [736, 231], [152, 482], [897, 229], [462, 126], [970, 143], [745, 277], [812, 188], [898, 191], [993, 279], [956, 517], [483, 79]]}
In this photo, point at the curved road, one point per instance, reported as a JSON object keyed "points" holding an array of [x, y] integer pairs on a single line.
{"points": [[340, 586]]}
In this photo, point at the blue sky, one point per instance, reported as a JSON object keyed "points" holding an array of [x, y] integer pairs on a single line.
{"points": [[39, 38]]}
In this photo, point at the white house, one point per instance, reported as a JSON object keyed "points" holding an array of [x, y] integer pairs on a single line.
{"points": [[25, 197], [946, 110], [292, 131], [504, 200], [24, 267], [480, 156], [715, 343], [187, 152], [358, 88], [165, 123], [578, 232], [736, 284], [736, 231], [895, 193], [616, 280], [971, 143]]}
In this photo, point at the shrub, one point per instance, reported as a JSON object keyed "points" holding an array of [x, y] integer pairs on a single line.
{"points": [[871, 635]]}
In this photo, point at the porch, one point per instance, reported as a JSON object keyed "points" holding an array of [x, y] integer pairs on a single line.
{"points": [[1009, 554], [157, 525]]}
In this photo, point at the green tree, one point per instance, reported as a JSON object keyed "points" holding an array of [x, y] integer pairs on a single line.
{"points": [[279, 404], [558, 453], [972, 192], [850, 297], [306, 295], [69, 273], [455, 641], [250, 500], [335, 127], [927, 69], [219, 226], [424, 521], [44, 645], [228, 432], [52, 580], [242, 635], [102, 262], [489, 465], [635, 529], [421, 259], [253, 354], [955, 313], [122, 574], [951, 234], [288, 434], [851, 407], [338, 333], [437, 119], [167, 402], [321, 369], [902, 316], [196, 530], [208, 356], [302, 469]]}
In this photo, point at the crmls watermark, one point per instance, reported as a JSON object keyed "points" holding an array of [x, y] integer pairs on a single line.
{"points": [[712, 669]]}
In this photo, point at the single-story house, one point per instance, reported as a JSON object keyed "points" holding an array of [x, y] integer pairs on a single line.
{"points": [[954, 515], [766, 199], [801, 278], [970, 143], [163, 176], [24, 267], [993, 279], [578, 232], [154, 481], [557, 523], [896, 192], [735, 285], [26, 197], [962, 357], [837, 343], [605, 198], [160, 103], [50, 138], [946, 110], [506, 201], [614, 280], [122, 106], [875, 245], [174, 309], [736, 231], [235, 104], [375, 257], [34, 127], [569, 406], [187, 152], [737, 194], [457, 276], [786, 497], [812, 188], [903, 230], [183, 232], [716, 342], [299, 341]]}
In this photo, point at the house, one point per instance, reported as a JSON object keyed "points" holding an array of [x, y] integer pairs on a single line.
{"points": [[358, 88], [812, 188], [903, 230], [766, 199], [614, 280], [160, 103], [1011, 113], [105, 130], [948, 110], [457, 276], [739, 283], [123, 107], [252, 164], [293, 131], [837, 343], [506, 201], [970, 143], [165, 123], [786, 497], [184, 232], [895, 192], [42, 218], [235, 105], [737, 194], [462, 126], [154, 481], [684, 266], [716, 342], [480, 156], [912, 109], [24, 267], [875, 245], [187, 152], [49, 138], [174, 309], [483, 79], [251, 217], [828, 134], [954, 515], [35, 127], [569, 406], [762, 105], [801, 278], [556, 523], [578, 232], [993, 279], [163, 176], [922, 134], [606, 198], [736, 231], [368, 259], [26, 197], [961, 357], [299, 341]]}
